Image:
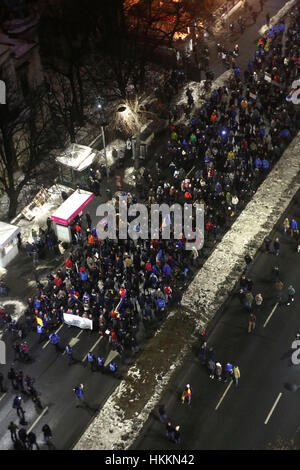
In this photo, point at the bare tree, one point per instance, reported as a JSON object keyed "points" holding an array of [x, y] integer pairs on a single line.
{"points": [[24, 140], [64, 30], [61, 103]]}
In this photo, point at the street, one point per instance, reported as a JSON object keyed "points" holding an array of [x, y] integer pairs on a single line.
{"points": [[260, 412], [257, 412]]}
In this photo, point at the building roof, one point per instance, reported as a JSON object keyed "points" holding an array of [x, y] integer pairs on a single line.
{"points": [[7, 233], [72, 206], [78, 157]]}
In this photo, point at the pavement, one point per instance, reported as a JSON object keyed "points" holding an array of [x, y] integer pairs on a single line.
{"points": [[261, 412]]}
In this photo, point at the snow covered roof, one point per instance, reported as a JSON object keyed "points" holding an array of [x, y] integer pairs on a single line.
{"points": [[72, 206], [7, 233], [77, 157]]}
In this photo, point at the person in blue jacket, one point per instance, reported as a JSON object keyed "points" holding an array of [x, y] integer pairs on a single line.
{"points": [[54, 338], [79, 394], [293, 226], [258, 163]]}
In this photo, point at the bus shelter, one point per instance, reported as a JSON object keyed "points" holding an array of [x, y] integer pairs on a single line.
{"points": [[74, 165]]}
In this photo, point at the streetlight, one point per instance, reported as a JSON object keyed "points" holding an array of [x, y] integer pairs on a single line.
{"points": [[103, 123], [131, 119]]}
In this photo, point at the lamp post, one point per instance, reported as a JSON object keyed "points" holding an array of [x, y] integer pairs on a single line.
{"points": [[129, 115], [103, 123]]}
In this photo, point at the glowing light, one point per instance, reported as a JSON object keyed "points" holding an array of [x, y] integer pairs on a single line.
{"points": [[179, 35]]}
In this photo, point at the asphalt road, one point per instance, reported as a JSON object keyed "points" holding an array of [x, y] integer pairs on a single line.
{"points": [[261, 411]]}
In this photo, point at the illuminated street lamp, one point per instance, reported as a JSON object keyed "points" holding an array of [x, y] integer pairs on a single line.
{"points": [[103, 123], [131, 121]]}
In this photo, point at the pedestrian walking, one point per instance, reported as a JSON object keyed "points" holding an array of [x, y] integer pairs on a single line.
{"points": [[17, 405], [236, 375], [12, 376], [79, 394], [228, 371], [170, 431], [69, 352], [112, 367], [293, 226], [279, 287], [17, 352], [92, 361], [267, 242], [211, 365], [248, 261], [176, 435], [88, 220], [13, 431], [31, 438], [291, 294], [22, 434], [187, 394], [100, 364], [286, 225], [276, 245], [162, 413], [276, 271], [248, 300], [41, 333], [258, 300], [47, 435], [218, 371], [54, 338], [2, 389], [20, 383], [251, 323]]}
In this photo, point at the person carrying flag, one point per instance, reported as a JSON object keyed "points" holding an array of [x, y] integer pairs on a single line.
{"points": [[187, 394]]}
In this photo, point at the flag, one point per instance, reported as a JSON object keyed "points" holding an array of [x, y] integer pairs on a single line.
{"points": [[158, 256], [39, 321], [74, 295], [166, 221], [122, 293]]}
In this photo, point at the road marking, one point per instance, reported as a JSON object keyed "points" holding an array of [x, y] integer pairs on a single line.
{"points": [[46, 344], [37, 420], [73, 341], [2, 396], [110, 357], [276, 305], [190, 171], [273, 408], [223, 396], [93, 347]]}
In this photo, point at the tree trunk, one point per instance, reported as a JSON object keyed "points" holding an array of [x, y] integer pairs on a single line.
{"points": [[13, 204]]}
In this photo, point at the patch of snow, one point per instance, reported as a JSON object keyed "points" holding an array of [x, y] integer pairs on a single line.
{"points": [[279, 15]]}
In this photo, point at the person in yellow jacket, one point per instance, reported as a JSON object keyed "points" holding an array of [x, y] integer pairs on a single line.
{"points": [[236, 375]]}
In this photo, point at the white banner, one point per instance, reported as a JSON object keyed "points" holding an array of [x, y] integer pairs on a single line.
{"points": [[75, 320]]}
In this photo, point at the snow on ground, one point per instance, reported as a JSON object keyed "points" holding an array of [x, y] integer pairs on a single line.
{"points": [[198, 91], [109, 430], [41, 213]]}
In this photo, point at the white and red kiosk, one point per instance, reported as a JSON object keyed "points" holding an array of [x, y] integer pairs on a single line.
{"points": [[64, 215]]}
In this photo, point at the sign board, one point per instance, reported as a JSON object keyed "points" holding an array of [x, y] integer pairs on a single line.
{"points": [[252, 95], [63, 233], [75, 320], [268, 77], [27, 213]]}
